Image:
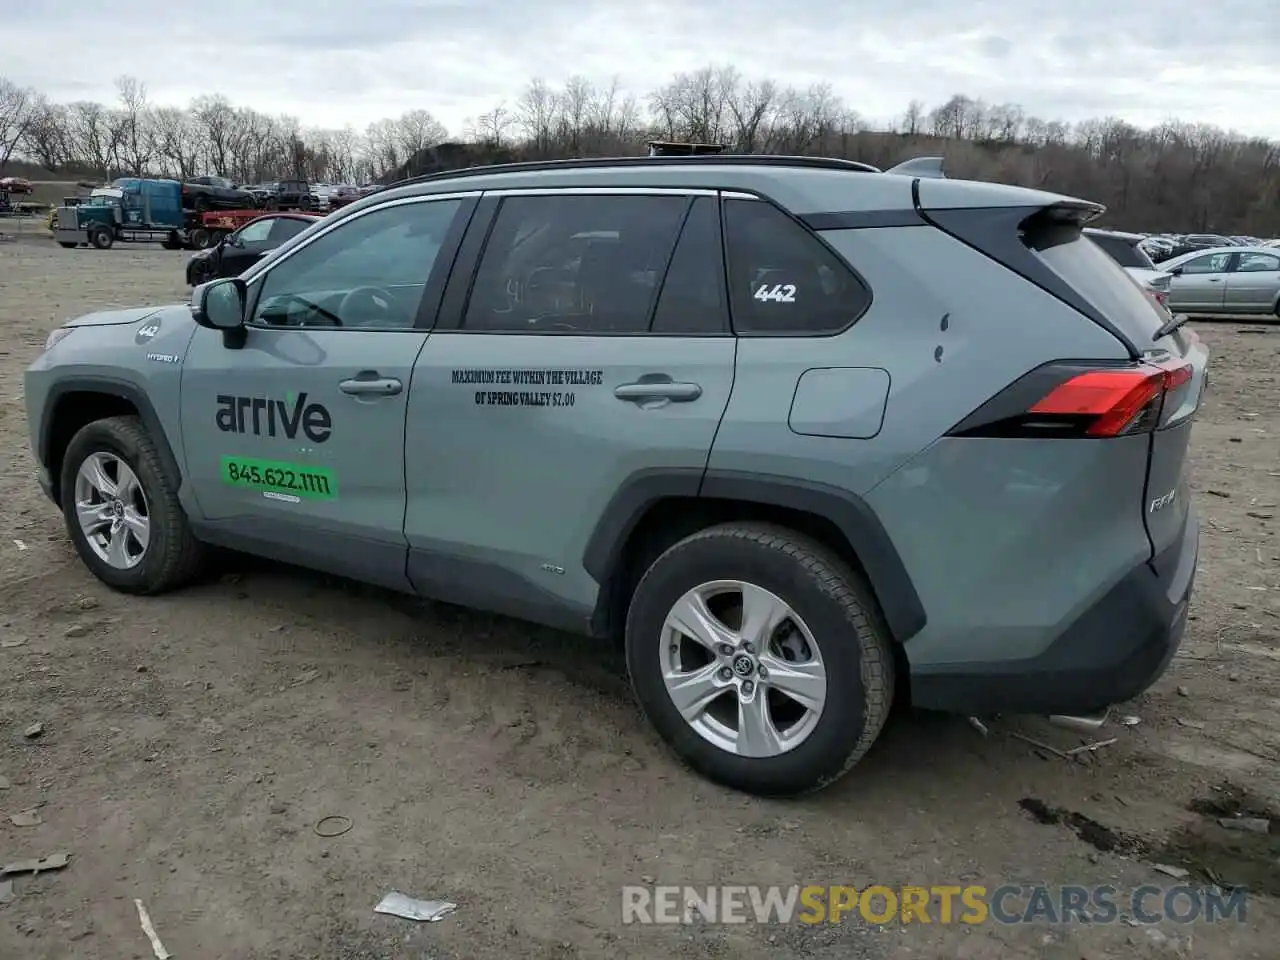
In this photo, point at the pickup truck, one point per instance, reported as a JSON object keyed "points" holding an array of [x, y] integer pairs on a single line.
{"points": [[215, 193], [292, 195]]}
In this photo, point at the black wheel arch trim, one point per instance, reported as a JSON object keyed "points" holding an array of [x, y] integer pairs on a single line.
{"points": [[124, 389], [899, 602]]}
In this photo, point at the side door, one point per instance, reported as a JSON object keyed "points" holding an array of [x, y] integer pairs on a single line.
{"points": [[591, 351], [294, 440], [1201, 284], [1254, 284], [245, 247]]}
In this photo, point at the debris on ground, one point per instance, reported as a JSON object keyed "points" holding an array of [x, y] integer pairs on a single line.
{"points": [[1091, 747], [6, 892], [33, 731], [26, 818], [1183, 690], [305, 677], [77, 630], [9, 642], [334, 825], [144, 918], [55, 861], [1130, 721], [19, 544], [979, 726], [398, 905], [1178, 873], [1245, 824]]}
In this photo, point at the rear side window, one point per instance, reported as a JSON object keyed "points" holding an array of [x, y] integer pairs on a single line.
{"points": [[287, 227], [1122, 251], [574, 264], [782, 279], [1083, 265], [692, 300]]}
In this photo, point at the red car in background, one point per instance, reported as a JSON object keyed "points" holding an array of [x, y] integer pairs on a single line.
{"points": [[15, 185]]}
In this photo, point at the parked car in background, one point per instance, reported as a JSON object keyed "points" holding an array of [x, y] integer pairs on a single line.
{"points": [[1126, 250], [242, 249], [293, 195], [15, 185], [343, 194], [1227, 280], [215, 193], [1158, 248]]}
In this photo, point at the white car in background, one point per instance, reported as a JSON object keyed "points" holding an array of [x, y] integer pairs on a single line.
{"points": [[1126, 250]]}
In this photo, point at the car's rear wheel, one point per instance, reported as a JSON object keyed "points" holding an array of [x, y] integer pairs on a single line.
{"points": [[760, 658], [121, 508]]}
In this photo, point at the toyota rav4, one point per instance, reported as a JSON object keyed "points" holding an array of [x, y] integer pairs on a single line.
{"points": [[802, 434]]}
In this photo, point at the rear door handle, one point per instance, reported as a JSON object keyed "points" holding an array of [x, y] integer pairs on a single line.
{"points": [[642, 391], [369, 384]]}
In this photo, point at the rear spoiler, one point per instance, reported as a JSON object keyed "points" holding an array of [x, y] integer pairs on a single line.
{"points": [[930, 167]]}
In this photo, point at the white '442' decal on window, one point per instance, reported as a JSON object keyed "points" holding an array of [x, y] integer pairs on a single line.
{"points": [[778, 293]]}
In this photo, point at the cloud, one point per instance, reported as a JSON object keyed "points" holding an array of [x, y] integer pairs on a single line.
{"points": [[334, 65]]}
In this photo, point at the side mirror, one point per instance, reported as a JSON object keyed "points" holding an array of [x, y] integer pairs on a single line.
{"points": [[1176, 272], [219, 305], [231, 240]]}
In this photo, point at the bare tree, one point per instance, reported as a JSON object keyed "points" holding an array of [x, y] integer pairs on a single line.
{"points": [[18, 107], [1176, 176]]}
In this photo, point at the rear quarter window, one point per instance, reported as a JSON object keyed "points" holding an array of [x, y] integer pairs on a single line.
{"points": [[1123, 252], [1097, 277]]}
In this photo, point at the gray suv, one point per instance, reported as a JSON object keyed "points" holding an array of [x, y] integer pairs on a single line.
{"points": [[804, 435]]}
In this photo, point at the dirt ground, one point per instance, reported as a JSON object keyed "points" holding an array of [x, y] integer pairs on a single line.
{"points": [[191, 743]]}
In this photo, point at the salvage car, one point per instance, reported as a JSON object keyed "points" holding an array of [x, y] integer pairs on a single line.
{"points": [[215, 193], [1232, 280], [802, 435], [238, 251]]}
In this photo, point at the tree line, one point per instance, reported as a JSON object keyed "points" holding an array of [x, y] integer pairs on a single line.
{"points": [[1175, 177]]}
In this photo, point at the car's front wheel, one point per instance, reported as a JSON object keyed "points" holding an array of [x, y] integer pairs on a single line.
{"points": [[121, 507], [760, 658]]}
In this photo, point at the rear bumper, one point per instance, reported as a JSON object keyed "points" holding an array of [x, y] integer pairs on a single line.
{"points": [[1113, 652]]}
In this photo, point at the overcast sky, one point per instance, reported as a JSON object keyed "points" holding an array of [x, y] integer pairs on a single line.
{"points": [[331, 64]]}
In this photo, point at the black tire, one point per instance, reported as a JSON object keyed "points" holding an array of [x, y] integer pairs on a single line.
{"points": [[172, 241], [199, 238], [842, 615], [101, 238], [173, 556]]}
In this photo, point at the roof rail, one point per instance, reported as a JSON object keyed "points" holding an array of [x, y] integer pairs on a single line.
{"points": [[591, 163], [932, 168]]}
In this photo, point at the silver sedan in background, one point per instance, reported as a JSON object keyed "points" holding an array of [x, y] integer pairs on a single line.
{"points": [[1225, 280]]}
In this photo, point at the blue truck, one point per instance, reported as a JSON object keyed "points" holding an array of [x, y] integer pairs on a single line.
{"points": [[131, 210]]}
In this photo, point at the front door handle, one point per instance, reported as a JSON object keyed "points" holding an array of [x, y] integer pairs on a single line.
{"points": [[369, 384], [647, 390]]}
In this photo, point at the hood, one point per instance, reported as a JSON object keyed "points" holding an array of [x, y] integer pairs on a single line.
{"points": [[1157, 279], [109, 318]]}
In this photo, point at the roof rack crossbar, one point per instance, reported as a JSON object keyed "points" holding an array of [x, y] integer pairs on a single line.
{"points": [[589, 163]]}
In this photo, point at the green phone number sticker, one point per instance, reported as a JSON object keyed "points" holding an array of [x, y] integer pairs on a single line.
{"points": [[278, 476]]}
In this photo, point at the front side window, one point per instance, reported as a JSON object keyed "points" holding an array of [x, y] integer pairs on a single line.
{"points": [[1214, 263], [255, 232], [370, 272], [574, 264], [782, 279]]}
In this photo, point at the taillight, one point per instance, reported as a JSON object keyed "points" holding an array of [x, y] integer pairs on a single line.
{"points": [[1074, 400]]}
